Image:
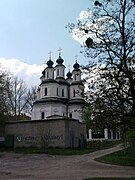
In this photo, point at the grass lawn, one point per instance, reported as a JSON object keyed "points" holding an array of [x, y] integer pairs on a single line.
{"points": [[50, 151], [53, 151], [123, 157], [91, 146]]}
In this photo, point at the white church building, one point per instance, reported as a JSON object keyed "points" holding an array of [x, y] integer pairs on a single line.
{"points": [[56, 115], [57, 95]]}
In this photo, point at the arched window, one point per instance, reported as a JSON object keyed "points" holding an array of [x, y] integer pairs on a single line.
{"points": [[75, 76], [42, 115], [45, 91], [47, 74], [70, 115], [57, 72], [74, 93], [63, 72], [62, 92], [57, 91]]}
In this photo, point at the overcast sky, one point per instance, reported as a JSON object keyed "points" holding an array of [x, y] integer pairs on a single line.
{"points": [[29, 29]]}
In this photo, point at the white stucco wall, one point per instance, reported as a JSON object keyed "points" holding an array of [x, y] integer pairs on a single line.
{"points": [[76, 75], [51, 90], [61, 69], [78, 91], [49, 73], [65, 87], [48, 109], [76, 110]]}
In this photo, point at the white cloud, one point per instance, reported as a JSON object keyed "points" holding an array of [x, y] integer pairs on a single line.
{"points": [[85, 21], [30, 73], [84, 15]]}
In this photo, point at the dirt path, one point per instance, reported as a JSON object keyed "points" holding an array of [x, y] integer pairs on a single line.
{"points": [[41, 166]]}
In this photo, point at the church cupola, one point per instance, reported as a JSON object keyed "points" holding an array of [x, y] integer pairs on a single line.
{"points": [[59, 60], [69, 75], [76, 72], [76, 66], [50, 63], [48, 72], [60, 68]]}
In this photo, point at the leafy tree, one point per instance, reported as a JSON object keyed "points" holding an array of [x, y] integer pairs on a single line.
{"points": [[4, 108], [3, 94], [108, 32], [97, 117]]}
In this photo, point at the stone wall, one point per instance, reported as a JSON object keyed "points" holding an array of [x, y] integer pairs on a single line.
{"points": [[47, 133]]}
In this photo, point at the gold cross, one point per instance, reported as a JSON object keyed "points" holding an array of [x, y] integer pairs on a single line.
{"points": [[44, 63], [59, 51], [50, 54], [76, 56]]}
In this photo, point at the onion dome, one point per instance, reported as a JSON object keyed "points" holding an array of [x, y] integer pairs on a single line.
{"points": [[59, 60], [76, 66], [69, 74], [50, 63]]}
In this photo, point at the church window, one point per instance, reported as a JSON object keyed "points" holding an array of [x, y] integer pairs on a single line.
{"points": [[57, 72], [73, 93], [47, 75], [70, 115], [62, 92], [75, 76], [57, 91], [45, 91], [42, 115], [63, 72]]}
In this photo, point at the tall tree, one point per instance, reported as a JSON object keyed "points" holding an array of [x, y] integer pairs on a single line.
{"points": [[15, 98], [4, 108], [20, 98], [30, 97], [16, 92], [108, 33]]}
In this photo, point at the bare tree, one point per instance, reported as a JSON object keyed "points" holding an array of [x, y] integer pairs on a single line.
{"points": [[30, 97], [16, 93], [20, 98]]}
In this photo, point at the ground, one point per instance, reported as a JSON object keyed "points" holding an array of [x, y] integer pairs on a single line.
{"points": [[43, 166]]}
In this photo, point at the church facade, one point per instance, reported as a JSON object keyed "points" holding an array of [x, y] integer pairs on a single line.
{"points": [[57, 95]]}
